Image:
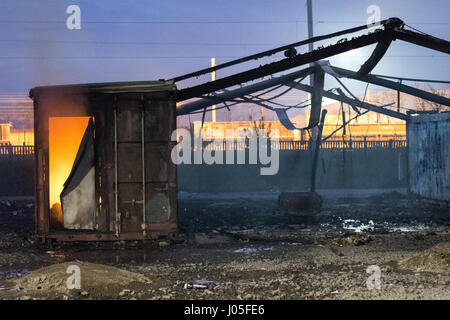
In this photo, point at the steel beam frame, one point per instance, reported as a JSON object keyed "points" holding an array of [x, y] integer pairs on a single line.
{"points": [[287, 80], [393, 85], [282, 65]]}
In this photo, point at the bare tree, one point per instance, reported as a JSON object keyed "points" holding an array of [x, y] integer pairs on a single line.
{"points": [[426, 105]]}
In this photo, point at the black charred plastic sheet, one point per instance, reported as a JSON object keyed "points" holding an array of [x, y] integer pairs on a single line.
{"points": [[284, 119], [84, 160], [316, 98], [316, 106]]}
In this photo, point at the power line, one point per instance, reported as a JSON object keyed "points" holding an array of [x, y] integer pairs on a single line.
{"points": [[208, 22], [183, 57], [418, 22], [157, 42]]}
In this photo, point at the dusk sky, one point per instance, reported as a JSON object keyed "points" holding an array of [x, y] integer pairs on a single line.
{"points": [[150, 40]]}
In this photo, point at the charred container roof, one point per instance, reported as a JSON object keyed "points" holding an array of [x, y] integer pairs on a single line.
{"points": [[120, 183]]}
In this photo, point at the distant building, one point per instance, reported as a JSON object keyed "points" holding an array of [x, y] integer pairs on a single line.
{"points": [[373, 131], [16, 119], [369, 126], [16, 109], [16, 137]]}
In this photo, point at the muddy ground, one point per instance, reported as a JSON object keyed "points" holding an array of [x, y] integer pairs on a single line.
{"points": [[249, 248]]}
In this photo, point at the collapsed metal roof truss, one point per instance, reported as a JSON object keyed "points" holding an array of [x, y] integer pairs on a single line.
{"points": [[393, 29]]}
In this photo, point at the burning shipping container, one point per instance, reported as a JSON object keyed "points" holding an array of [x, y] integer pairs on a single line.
{"points": [[103, 169]]}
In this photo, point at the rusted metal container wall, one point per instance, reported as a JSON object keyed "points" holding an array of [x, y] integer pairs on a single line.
{"points": [[429, 156], [133, 126]]}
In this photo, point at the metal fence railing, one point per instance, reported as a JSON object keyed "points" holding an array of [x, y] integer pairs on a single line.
{"points": [[16, 152], [27, 152], [307, 145]]}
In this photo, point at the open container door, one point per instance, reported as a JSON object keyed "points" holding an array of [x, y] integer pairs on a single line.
{"points": [[78, 201]]}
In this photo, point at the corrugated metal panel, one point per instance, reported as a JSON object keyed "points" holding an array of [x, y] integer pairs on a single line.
{"points": [[429, 155], [110, 87]]}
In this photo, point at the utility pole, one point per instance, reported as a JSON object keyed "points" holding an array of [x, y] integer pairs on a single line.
{"points": [[316, 151], [314, 131], [263, 114], [213, 78], [310, 35]]}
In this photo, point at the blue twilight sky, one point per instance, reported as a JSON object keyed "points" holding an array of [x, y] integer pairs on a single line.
{"points": [[147, 40]]}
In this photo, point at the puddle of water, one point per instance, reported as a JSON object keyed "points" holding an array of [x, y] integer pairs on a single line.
{"points": [[251, 250], [246, 250], [409, 228], [358, 227], [221, 204]]}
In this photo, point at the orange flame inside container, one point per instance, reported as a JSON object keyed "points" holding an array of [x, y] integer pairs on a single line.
{"points": [[65, 134]]}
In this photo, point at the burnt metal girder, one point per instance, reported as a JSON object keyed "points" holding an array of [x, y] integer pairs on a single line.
{"points": [[285, 64], [350, 101], [241, 92], [288, 80], [375, 57], [393, 85], [423, 40], [388, 23]]}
